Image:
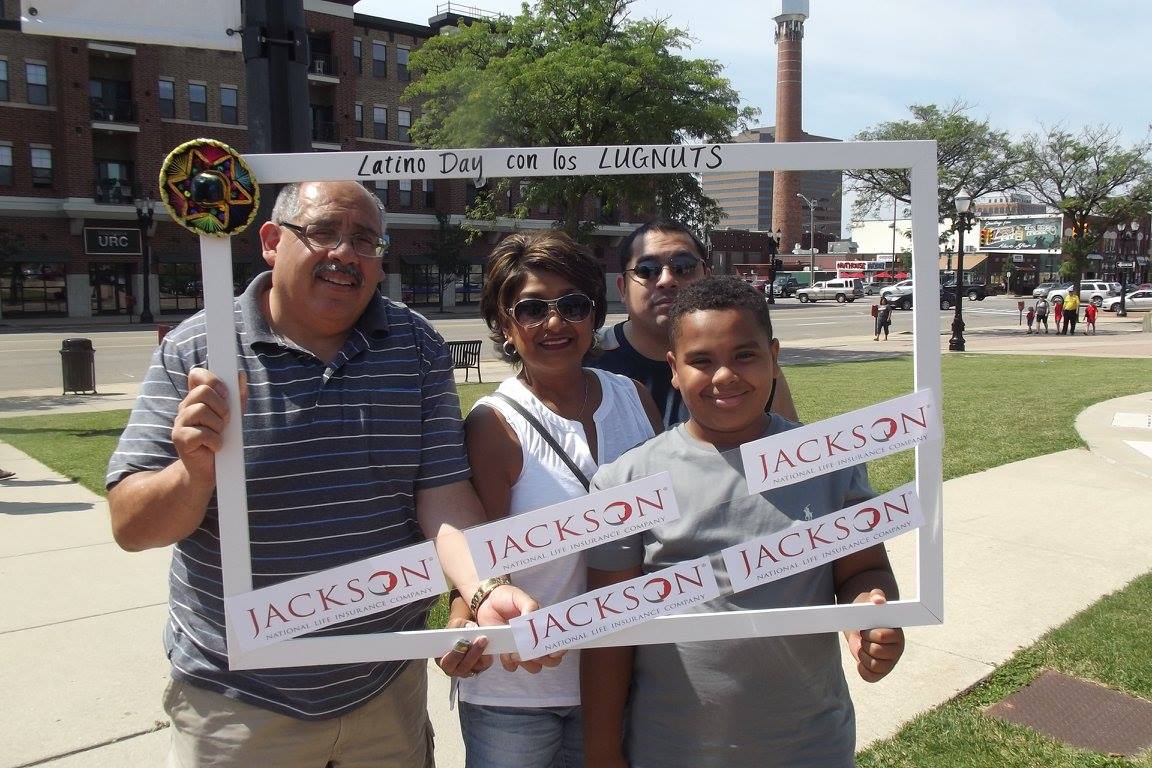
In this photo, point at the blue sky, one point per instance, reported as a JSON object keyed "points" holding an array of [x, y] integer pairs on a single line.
{"points": [[1023, 64]]}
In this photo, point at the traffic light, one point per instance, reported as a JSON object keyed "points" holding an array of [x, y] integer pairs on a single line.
{"points": [[985, 236]]}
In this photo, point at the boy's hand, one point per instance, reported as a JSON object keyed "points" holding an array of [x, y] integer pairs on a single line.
{"points": [[876, 650]]}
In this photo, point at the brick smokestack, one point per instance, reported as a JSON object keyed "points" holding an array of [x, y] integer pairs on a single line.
{"points": [[789, 213]]}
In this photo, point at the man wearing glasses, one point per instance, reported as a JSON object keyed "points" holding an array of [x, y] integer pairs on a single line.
{"points": [[353, 447], [656, 260]]}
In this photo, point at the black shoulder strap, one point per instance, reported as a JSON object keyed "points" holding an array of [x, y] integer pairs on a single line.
{"points": [[544, 433]]}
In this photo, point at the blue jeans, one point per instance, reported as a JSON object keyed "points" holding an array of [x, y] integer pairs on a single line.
{"points": [[521, 737]]}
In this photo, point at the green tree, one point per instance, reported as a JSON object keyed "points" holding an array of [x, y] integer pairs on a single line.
{"points": [[970, 156], [576, 73], [1093, 180], [448, 252], [11, 243]]}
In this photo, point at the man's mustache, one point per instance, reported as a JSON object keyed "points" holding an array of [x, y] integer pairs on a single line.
{"points": [[351, 270]]}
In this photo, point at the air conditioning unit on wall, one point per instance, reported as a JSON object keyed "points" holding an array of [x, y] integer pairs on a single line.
{"points": [[318, 66]]}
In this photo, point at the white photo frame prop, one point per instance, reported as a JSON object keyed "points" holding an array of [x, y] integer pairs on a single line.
{"points": [[919, 157]]}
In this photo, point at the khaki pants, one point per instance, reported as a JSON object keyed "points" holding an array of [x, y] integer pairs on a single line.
{"points": [[390, 731]]}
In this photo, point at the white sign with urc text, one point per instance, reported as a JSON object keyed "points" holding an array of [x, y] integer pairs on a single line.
{"points": [[812, 543], [612, 608], [843, 441], [531, 538], [290, 608]]}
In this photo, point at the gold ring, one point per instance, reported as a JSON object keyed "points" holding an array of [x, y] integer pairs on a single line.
{"points": [[462, 646]]}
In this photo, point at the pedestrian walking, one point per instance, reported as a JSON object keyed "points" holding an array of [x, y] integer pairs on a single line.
{"points": [[1030, 317], [1058, 311], [1041, 314], [1090, 319], [6, 475], [883, 312]]}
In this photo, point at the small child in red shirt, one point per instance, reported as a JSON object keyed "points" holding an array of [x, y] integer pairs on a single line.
{"points": [[1030, 317], [1090, 319]]}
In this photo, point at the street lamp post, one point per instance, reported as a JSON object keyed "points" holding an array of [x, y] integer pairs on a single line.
{"points": [[811, 234], [964, 219], [144, 213]]}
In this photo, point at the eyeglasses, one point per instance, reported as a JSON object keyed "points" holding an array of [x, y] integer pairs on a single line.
{"points": [[322, 236], [573, 307], [649, 269]]}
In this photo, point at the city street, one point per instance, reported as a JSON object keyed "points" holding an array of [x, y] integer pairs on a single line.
{"points": [[32, 353]]}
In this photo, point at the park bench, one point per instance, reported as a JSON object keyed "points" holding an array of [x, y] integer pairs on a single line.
{"points": [[466, 355]]}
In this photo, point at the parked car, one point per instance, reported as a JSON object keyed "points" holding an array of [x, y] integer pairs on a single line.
{"points": [[1090, 290], [842, 289], [974, 291], [785, 287], [1138, 299], [1045, 288], [873, 287], [895, 291]]}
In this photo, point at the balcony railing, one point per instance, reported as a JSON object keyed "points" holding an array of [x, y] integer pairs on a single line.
{"points": [[114, 193], [326, 132], [324, 64], [119, 111]]}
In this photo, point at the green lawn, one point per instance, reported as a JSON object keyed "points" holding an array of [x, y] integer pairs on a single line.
{"points": [[1108, 642], [997, 409]]}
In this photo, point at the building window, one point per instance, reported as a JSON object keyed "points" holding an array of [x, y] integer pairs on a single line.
{"points": [[359, 121], [357, 55], [402, 73], [41, 167], [379, 59], [37, 84], [405, 187], [197, 102], [3, 80], [6, 173], [403, 124], [429, 193], [166, 93], [381, 191], [379, 122], [229, 111]]}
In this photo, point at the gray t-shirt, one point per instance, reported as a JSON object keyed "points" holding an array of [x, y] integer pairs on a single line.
{"points": [[771, 701]]}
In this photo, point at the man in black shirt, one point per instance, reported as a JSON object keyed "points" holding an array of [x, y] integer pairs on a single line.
{"points": [[657, 260]]}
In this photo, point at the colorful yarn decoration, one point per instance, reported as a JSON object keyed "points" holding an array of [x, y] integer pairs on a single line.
{"points": [[208, 188]]}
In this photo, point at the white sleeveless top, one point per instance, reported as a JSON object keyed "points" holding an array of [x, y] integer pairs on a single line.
{"points": [[621, 424]]}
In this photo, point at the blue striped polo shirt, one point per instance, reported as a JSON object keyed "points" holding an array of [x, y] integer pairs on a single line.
{"points": [[334, 453]]}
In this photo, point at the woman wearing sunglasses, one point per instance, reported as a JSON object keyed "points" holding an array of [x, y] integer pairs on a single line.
{"points": [[543, 300]]}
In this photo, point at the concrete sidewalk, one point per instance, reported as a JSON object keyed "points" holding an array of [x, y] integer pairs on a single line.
{"points": [[81, 621]]}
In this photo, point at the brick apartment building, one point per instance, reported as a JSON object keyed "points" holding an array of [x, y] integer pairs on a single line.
{"points": [[85, 125]]}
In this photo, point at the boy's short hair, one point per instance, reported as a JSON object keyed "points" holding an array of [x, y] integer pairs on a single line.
{"points": [[718, 293], [660, 225]]}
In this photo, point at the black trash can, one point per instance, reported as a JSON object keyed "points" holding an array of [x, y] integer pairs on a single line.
{"points": [[78, 361]]}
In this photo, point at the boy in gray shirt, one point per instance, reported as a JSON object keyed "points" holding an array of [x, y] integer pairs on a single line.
{"points": [[769, 701]]}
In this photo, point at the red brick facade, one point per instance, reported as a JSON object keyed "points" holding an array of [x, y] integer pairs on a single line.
{"points": [[106, 152]]}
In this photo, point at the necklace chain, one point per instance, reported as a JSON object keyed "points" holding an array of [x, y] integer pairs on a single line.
{"points": [[583, 405]]}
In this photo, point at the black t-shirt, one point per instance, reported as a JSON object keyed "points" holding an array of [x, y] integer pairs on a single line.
{"points": [[655, 375]]}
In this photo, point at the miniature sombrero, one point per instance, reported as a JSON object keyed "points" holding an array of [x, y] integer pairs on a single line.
{"points": [[208, 188]]}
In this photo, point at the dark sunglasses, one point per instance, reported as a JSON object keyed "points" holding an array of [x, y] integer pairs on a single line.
{"points": [[573, 307], [648, 269]]}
